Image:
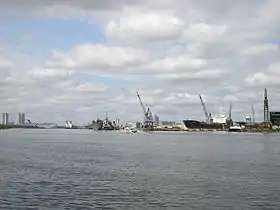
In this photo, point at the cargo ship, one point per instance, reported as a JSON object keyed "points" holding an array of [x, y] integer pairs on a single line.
{"points": [[217, 123]]}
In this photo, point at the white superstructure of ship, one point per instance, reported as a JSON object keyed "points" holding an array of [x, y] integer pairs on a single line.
{"points": [[220, 118], [68, 124]]}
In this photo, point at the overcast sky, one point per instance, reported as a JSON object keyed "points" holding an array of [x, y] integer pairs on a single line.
{"points": [[75, 60]]}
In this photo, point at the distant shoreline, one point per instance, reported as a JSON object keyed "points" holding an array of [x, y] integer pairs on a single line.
{"points": [[4, 127]]}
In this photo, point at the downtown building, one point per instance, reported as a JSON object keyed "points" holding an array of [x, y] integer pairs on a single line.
{"points": [[21, 118], [5, 118], [156, 120]]}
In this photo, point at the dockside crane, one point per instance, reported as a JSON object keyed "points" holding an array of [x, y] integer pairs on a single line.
{"points": [[253, 113], [207, 116], [229, 121], [148, 117], [229, 112]]}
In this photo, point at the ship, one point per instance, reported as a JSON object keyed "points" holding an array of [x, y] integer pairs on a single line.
{"points": [[68, 125], [217, 123], [235, 128], [105, 124]]}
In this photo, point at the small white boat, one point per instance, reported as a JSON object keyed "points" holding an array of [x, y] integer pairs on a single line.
{"points": [[235, 128], [68, 125], [130, 130]]}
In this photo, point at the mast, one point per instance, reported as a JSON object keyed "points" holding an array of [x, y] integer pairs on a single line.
{"points": [[207, 116]]}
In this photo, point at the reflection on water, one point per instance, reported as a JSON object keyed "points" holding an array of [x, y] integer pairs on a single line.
{"points": [[83, 169]]}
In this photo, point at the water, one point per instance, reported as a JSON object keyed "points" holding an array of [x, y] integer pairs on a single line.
{"points": [[83, 169]]}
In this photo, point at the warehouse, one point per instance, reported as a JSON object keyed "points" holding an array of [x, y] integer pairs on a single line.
{"points": [[275, 118]]}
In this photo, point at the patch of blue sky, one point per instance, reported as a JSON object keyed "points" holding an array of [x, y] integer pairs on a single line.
{"points": [[48, 33]]}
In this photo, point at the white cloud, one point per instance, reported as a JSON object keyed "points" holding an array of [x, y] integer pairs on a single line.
{"points": [[88, 87], [204, 32], [98, 57], [177, 64], [260, 49], [268, 77], [50, 73], [230, 98], [148, 26], [206, 74]]}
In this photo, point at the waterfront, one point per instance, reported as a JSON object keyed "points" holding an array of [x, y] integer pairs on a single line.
{"points": [[83, 169]]}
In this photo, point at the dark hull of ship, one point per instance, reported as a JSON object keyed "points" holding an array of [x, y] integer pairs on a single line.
{"points": [[195, 124]]}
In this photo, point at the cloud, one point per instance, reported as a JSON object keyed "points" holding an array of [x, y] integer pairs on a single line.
{"points": [[145, 27], [170, 51], [260, 49], [269, 77], [97, 57]]}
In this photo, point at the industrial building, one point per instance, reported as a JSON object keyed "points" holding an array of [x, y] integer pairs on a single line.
{"points": [[275, 118], [170, 123]]}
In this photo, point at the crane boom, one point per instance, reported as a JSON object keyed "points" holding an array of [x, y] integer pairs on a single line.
{"points": [[204, 109], [229, 112], [141, 103]]}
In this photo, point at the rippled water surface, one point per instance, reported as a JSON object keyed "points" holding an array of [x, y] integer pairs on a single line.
{"points": [[83, 169]]}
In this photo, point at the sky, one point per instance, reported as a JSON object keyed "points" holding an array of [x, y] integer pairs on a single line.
{"points": [[77, 60]]}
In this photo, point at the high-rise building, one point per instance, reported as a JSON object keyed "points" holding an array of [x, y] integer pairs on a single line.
{"points": [[21, 118], [156, 120], [5, 118]]}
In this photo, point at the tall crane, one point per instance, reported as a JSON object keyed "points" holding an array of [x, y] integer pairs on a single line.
{"points": [[266, 110], [207, 116], [141, 103], [229, 121], [253, 113], [229, 112], [148, 116]]}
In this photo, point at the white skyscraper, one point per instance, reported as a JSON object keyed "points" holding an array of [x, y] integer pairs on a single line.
{"points": [[5, 118], [156, 120], [21, 118]]}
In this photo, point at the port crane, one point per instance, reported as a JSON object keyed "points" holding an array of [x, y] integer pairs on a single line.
{"points": [[207, 116], [229, 112], [229, 121], [148, 116], [253, 113]]}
